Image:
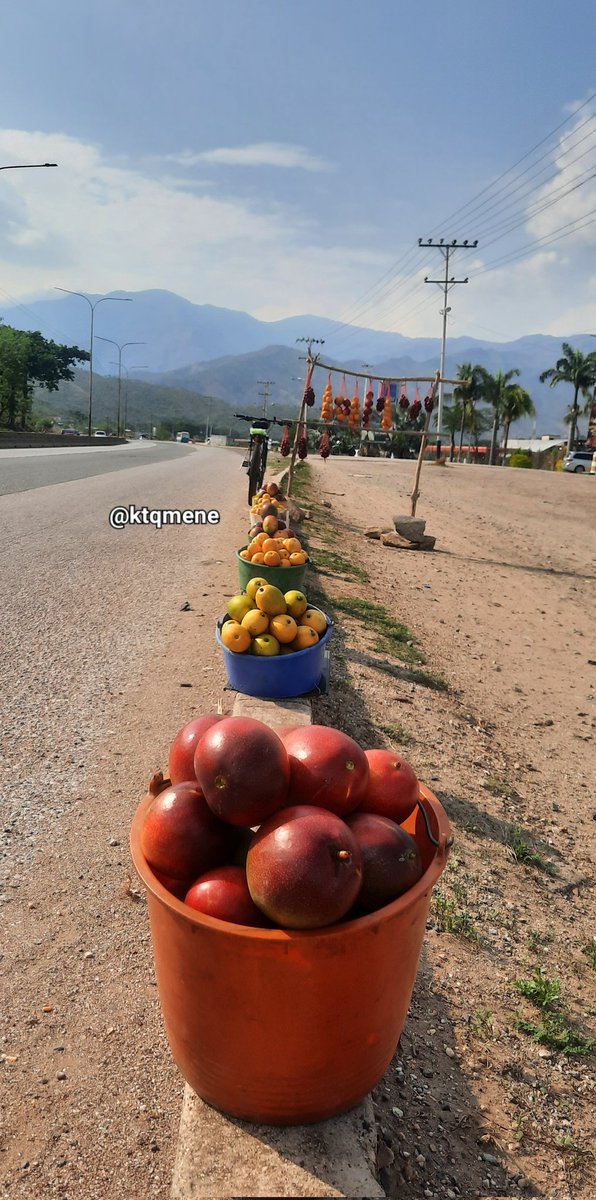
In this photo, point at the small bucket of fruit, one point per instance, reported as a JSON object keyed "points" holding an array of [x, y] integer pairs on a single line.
{"points": [[274, 644], [288, 880], [269, 500], [275, 552]]}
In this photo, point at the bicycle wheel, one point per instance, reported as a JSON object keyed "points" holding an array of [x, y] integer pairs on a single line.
{"points": [[256, 470]]}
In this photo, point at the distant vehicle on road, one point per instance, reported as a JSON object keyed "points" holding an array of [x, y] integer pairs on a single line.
{"points": [[578, 460], [183, 437], [70, 433], [100, 433]]}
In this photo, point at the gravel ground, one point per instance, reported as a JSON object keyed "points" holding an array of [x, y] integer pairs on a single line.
{"points": [[96, 648], [503, 610]]}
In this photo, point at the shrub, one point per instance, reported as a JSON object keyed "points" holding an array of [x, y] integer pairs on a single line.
{"points": [[520, 458]]}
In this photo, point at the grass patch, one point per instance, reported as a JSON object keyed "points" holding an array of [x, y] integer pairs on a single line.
{"points": [[524, 853], [397, 733], [392, 638], [537, 941], [329, 562], [590, 953], [496, 787], [302, 482], [551, 1028], [448, 918], [481, 1023]]}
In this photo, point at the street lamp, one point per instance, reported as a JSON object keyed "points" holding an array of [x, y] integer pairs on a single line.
{"points": [[26, 166], [119, 348], [92, 306], [133, 367]]}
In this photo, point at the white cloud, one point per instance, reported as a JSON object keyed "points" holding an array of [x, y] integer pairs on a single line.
{"points": [[260, 154], [95, 226]]}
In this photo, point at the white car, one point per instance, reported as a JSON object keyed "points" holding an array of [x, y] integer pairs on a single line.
{"points": [[578, 460], [100, 433]]}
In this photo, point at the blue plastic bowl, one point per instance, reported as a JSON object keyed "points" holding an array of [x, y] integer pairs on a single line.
{"points": [[278, 677]]}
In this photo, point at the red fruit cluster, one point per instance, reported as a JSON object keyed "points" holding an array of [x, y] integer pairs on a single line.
{"points": [[297, 829]]}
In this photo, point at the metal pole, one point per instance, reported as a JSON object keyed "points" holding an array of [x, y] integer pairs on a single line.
{"points": [[123, 300], [443, 342]]}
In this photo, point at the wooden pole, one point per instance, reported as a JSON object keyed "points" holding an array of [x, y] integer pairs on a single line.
{"points": [[290, 482], [423, 442]]}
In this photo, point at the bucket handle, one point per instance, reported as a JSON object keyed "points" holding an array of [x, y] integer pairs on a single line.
{"points": [[443, 843]]}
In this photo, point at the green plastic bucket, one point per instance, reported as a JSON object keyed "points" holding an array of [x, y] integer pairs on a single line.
{"points": [[287, 579]]}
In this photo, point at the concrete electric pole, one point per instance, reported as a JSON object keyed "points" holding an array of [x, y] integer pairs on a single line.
{"points": [[445, 284]]}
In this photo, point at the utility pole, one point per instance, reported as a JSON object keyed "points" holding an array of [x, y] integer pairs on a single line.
{"points": [[311, 362], [445, 284], [266, 384]]}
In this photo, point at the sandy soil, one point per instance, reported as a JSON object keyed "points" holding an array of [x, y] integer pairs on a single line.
{"points": [[502, 609]]}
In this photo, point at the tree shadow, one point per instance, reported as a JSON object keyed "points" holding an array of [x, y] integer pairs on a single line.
{"points": [[516, 566], [479, 823]]}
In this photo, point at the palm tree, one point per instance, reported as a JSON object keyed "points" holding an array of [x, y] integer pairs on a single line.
{"points": [[496, 390], [580, 371], [467, 396], [452, 421], [517, 403]]}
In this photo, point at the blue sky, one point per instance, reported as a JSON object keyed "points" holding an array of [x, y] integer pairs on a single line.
{"points": [[284, 156]]}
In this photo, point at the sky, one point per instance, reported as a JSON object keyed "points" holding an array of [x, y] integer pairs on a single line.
{"points": [[283, 157]]}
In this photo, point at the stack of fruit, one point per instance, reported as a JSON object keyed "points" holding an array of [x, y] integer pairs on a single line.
{"points": [[296, 830], [264, 621], [327, 402], [273, 545], [268, 498]]}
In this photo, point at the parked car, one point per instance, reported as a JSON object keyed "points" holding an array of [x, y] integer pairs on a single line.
{"points": [[578, 460], [70, 433], [100, 433]]}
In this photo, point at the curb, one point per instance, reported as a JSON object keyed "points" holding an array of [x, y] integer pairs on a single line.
{"points": [[219, 1157]]}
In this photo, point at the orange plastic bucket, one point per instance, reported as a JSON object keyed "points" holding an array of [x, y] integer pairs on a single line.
{"points": [[288, 1028]]}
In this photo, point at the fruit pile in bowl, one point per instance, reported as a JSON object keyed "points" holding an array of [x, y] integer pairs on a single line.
{"points": [[265, 621], [268, 497], [296, 829], [273, 545]]}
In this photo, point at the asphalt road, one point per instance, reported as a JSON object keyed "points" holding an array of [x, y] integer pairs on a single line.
{"points": [[21, 470]]}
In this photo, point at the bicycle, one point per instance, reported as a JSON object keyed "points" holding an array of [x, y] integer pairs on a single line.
{"points": [[257, 451]]}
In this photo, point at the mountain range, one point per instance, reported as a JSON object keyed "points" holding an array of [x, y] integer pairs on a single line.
{"points": [[235, 358]]}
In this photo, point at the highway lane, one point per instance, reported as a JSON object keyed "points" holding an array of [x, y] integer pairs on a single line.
{"points": [[21, 470]]}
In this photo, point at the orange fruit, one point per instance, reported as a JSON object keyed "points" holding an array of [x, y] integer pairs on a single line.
{"points": [[258, 558], [314, 618], [253, 584], [270, 600], [293, 545], [284, 628], [234, 637], [298, 559], [285, 562], [269, 544], [260, 538], [256, 622], [244, 554], [283, 553], [306, 636], [272, 559], [296, 602]]}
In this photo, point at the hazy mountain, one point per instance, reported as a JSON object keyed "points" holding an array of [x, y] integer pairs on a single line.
{"points": [[223, 353]]}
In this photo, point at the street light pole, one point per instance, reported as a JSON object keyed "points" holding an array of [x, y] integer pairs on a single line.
{"points": [[119, 348], [133, 367], [92, 306]]}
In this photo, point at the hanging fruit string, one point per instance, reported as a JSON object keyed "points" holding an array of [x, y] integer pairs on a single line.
{"points": [[415, 406], [368, 405], [387, 418], [302, 443], [284, 445], [339, 414], [403, 401], [327, 401], [324, 446], [354, 417], [381, 397], [429, 401]]}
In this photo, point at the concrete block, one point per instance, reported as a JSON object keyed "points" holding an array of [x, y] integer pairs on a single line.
{"points": [[273, 712], [220, 1158], [410, 527]]}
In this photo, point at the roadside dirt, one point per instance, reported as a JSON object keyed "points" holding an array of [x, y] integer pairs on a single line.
{"points": [[503, 611], [471, 1106]]}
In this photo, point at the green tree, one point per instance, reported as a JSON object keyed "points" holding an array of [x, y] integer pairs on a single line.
{"points": [[26, 360], [496, 391], [580, 371], [517, 403], [468, 396], [452, 422]]}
